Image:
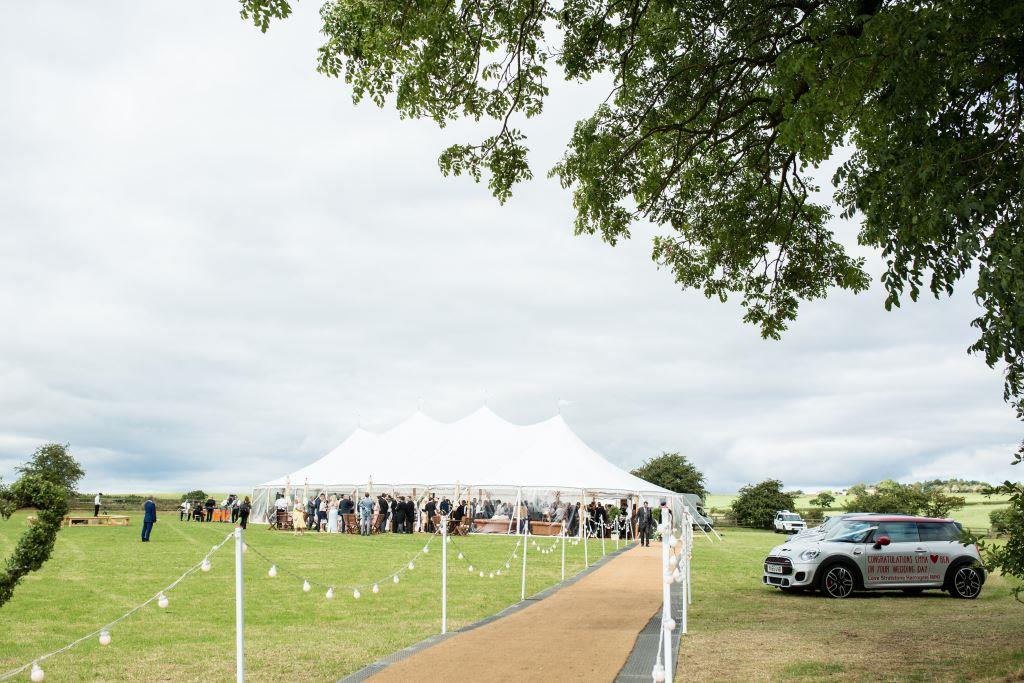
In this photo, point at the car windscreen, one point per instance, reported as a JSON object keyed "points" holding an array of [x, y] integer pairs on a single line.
{"points": [[791, 518], [850, 531]]}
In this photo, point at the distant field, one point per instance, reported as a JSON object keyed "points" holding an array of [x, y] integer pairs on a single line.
{"points": [[974, 514]]}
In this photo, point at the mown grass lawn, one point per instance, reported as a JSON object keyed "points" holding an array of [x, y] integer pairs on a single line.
{"points": [[743, 630], [739, 629], [96, 574]]}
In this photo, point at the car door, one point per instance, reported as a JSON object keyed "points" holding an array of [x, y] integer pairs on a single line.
{"points": [[895, 564], [940, 542]]}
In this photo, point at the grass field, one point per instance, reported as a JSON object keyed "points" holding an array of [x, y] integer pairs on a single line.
{"points": [[739, 629], [743, 630], [973, 515], [96, 574]]}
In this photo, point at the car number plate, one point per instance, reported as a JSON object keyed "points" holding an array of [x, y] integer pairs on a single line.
{"points": [[774, 568]]}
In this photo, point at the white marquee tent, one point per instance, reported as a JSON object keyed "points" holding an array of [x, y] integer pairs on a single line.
{"points": [[480, 456]]}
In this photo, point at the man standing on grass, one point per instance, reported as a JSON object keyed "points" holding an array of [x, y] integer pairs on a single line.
{"points": [[96, 505], [365, 515], [149, 519]]}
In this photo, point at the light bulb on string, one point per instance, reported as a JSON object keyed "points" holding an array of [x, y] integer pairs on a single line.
{"points": [[507, 565], [330, 593], [206, 566], [37, 673], [470, 568], [669, 624], [658, 673], [498, 572], [481, 574], [460, 556], [426, 549], [272, 572], [306, 587], [411, 565], [490, 575], [245, 547], [162, 601], [355, 594], [394, 578], [679, 577], [376, 588], [104, 637]]}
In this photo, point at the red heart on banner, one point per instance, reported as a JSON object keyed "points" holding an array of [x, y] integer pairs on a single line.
{"points": [[934, 558]]}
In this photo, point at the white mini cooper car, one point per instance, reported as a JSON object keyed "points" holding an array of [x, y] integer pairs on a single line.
{"points": [[879, 552]]}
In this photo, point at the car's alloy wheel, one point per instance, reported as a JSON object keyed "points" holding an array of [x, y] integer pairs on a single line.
{"points": [[966, 583], [838, 582]]}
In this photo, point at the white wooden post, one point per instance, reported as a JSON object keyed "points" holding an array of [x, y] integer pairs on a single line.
{"points": [[239, 611], [526, 533], [563, 553], [444, 574], [666, 592]]}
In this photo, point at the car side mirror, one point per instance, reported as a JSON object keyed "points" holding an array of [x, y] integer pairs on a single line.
{"points": [[881, 541]]}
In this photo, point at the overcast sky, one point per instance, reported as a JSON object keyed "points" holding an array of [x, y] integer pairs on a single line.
{"points": [[213, 266]]}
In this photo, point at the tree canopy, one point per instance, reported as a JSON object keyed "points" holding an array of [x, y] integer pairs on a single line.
{"points": [[674, 472], [718, 112], [757, 504], [54, 463], [906, 499]]}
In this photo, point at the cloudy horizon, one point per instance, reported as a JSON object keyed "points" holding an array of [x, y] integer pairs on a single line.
{"points": [[214, 266]]}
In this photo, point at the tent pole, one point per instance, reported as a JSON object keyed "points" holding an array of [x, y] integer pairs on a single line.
{"points": [[526, 532]]}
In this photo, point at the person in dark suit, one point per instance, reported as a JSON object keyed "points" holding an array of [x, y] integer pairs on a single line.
{"points": [[445, 507], [430, 509], [397, 514], [210, 504], [244, 508], [410, 514], [644, 521], [382, 513], [148, 519]]}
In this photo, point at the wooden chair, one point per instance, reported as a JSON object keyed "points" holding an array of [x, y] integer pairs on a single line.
{"points": [[350, 523], [463, 525], [284, 521]]}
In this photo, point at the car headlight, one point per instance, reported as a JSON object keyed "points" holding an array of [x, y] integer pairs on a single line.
{"points": [[809, 554]]}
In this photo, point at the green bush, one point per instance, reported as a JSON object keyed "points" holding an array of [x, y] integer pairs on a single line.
{"points": [[1005, 519], [757, 504]]}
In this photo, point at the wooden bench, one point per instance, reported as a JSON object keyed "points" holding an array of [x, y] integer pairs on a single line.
{"points": [[100, 520]]}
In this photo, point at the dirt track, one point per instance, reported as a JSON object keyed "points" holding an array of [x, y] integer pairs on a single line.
{"points": [[582, 632]]}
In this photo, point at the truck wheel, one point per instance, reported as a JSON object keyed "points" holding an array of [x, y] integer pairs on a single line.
{"points": [[838, 581], [965, 583]]}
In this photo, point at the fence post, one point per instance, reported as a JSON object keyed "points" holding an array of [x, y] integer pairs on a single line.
{"points": [[239, 611], [444, 574]]}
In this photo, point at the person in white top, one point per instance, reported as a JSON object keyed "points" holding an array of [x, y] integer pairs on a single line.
{"points": [[183, 511], [96, 505]]}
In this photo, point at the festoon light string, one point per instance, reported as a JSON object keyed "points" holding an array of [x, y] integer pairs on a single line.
{"points": [[505, 567], [356, 589], [103, 632]]}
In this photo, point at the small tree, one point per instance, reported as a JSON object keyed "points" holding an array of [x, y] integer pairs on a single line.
{"points": [[53, 462], [757, 504], [823, 500], [673, 472], [1008, 557], [940, 505], [193, 496]]}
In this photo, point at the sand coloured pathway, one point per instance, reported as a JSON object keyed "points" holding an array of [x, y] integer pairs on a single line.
{"points": [[582, 632]]}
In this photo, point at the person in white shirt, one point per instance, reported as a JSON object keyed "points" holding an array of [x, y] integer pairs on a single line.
{"points": [[96, 505], [183, 511]]}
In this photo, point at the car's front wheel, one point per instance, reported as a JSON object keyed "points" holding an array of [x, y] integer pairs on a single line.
{"points": [[838, 581], [965, 583]]}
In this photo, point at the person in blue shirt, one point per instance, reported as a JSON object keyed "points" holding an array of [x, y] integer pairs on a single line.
{"points": [[149, 519]]}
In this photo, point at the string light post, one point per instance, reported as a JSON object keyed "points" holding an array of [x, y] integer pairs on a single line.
{"points": [[563, 553], [526, 532], [444, 574], [666, 589], [239, 610]]}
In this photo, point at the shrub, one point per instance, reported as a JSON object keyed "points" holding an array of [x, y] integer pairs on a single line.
{"points": [[757, 504]]}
